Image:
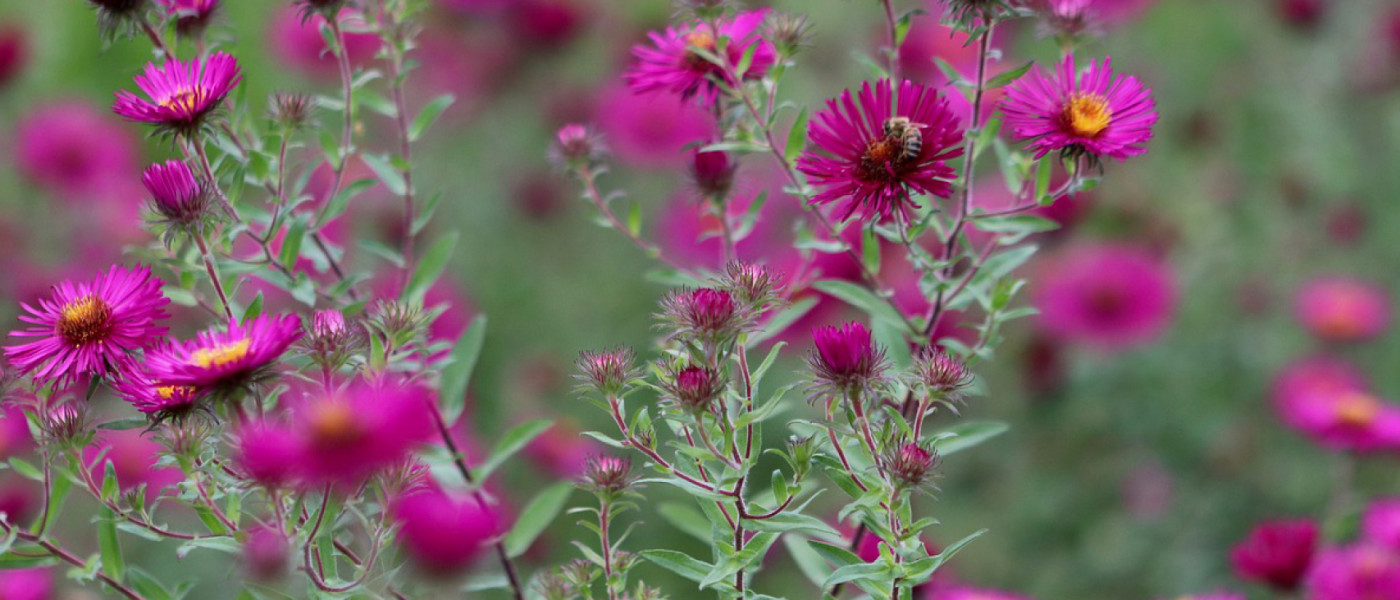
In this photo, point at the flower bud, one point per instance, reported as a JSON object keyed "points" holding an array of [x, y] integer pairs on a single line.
{"points": [[707, 314], [331, 343], [910, 465], [1277, 553], [845, 359], [609, 372], [969, 12], [704, 10], [291, 110], [712, 172], [327, 8], [191, 16], [119, 7], [801, 450], [67, 425], [608, 476], [787, 32], [265, 554], [942, 374], [575, 146], [693, 388], [14, 53], [177, 196], [753, 284]]}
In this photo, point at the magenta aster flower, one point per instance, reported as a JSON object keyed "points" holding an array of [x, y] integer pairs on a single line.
{"points": [[133, 457], [176, 194], [265, 554], [191, 16], [1328, 401], [77, 153], [443, 534], [263, 450], [1342, 309], [1276, 553], [1108, 296], [845, 358], [1380, 524], [1359, 572], [963, 593], [181, 94], [669, 64], [27, 584], [1097, 113], [349, 434], [88, 328], [157, 400], [222, 359], [872, 152], [14, 53]]}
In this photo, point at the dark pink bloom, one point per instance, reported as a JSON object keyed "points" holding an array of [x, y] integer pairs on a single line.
{"points": [[89, 327], [546, 23], [14, 53], [845, 357], [133, 457], [26, 584], [442, 534], [191, 16], [181, 94], [14, 432], [704, 312], [648, 130], [1276, 553], [1359, 572], [265, 554], [20, 499], [348, 434], [268, 453], [1303, 14], [669, 64], [1380, 524], [1108, 296], [176, 195], [1096, 113], [1342, 309], [1328, 401], [76, 152], [151, 397], [298, 42], [231, 357], [871, 152]]}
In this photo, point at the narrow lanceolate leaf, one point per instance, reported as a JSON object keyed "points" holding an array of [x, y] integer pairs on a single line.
{"points": [[536, 517], [111, 551], [341, 201], [679, 563], [861, 298], [1009, 76], [452, 394], [291, 243], [966, 435], [429, 115], [512, 442], [797, 137], [432, 265], [392, 178]]}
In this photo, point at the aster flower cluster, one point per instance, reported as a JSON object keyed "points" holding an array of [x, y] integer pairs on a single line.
{"points": [[1291, 557]]}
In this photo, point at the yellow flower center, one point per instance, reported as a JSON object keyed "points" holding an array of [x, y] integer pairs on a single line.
{"points": [[1087, 115], [187, 100], [700, 39], [84, 320], [220, 355], [168, 391], [1357, 408], [334, 423]]}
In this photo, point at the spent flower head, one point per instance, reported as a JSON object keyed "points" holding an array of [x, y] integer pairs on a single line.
{"points": [[788, 32], [292, 110], [692, 388], [910, 465], [576, 146], [608, 476], [944, 376]]}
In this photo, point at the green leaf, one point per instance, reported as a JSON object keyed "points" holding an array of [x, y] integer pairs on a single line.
{"points": [[112, 562], [452, 395], [745, 61], [863, 572], [433, 263], [783, 320], [786, 522], [536, 517], [686, 519], [797, 137], [679, 563], [808, 560], [870, 250], [429, 115], [124, 424], [861, 298], [966, 435], [1007, 77], [341, 201], [1043, 171], [1004, 263], [392, 178], [512, 442], [254, 308]]}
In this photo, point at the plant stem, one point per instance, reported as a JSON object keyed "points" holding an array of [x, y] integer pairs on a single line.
{"points": [[394, 39], [69, 558], [213, 273]]}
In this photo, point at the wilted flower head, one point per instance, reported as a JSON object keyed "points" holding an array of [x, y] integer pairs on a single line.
{"points": [[909, 465], [871, 153], [692, 388], [845, 359], [965, 593], [555, 586], [440, 533], [292, 110], [177, 195], [576, 146], [608, 476], [752, 284], [225, 360], [182, 94], [609, 371], [707, 314], [943, 374], [88, 328], [671, 64], [191, 16], [1277, 553], [1096, 113], [1342, 309]]}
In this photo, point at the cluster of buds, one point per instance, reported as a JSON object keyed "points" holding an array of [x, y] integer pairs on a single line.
{"points": [[609, 372], [754, 285], [910, 465], [942, 375], [576, 147], [331, 343], [845, 362], [608, 476], [692, 388]]}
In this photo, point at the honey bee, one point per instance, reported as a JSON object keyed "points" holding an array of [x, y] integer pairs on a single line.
{"points": [[906, 132]]}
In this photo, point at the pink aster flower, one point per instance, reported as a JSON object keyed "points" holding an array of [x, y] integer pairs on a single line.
{"points": [[966, 593], [443, 534], [217, 359], [89, 327], [1380, 525], [176, 194], [845, 358], [1096, 113], [191, 16], [1341, 309], [648, 130], [263, 450], [1108, 296], [26, 584], [14, 53], [871, 159], [159, 401], [1359, 572], [133, 457], [1328, 401], [75, 152], [348, 434], [265, 554], [669, 64], [181, 94], [1276, 553]]}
